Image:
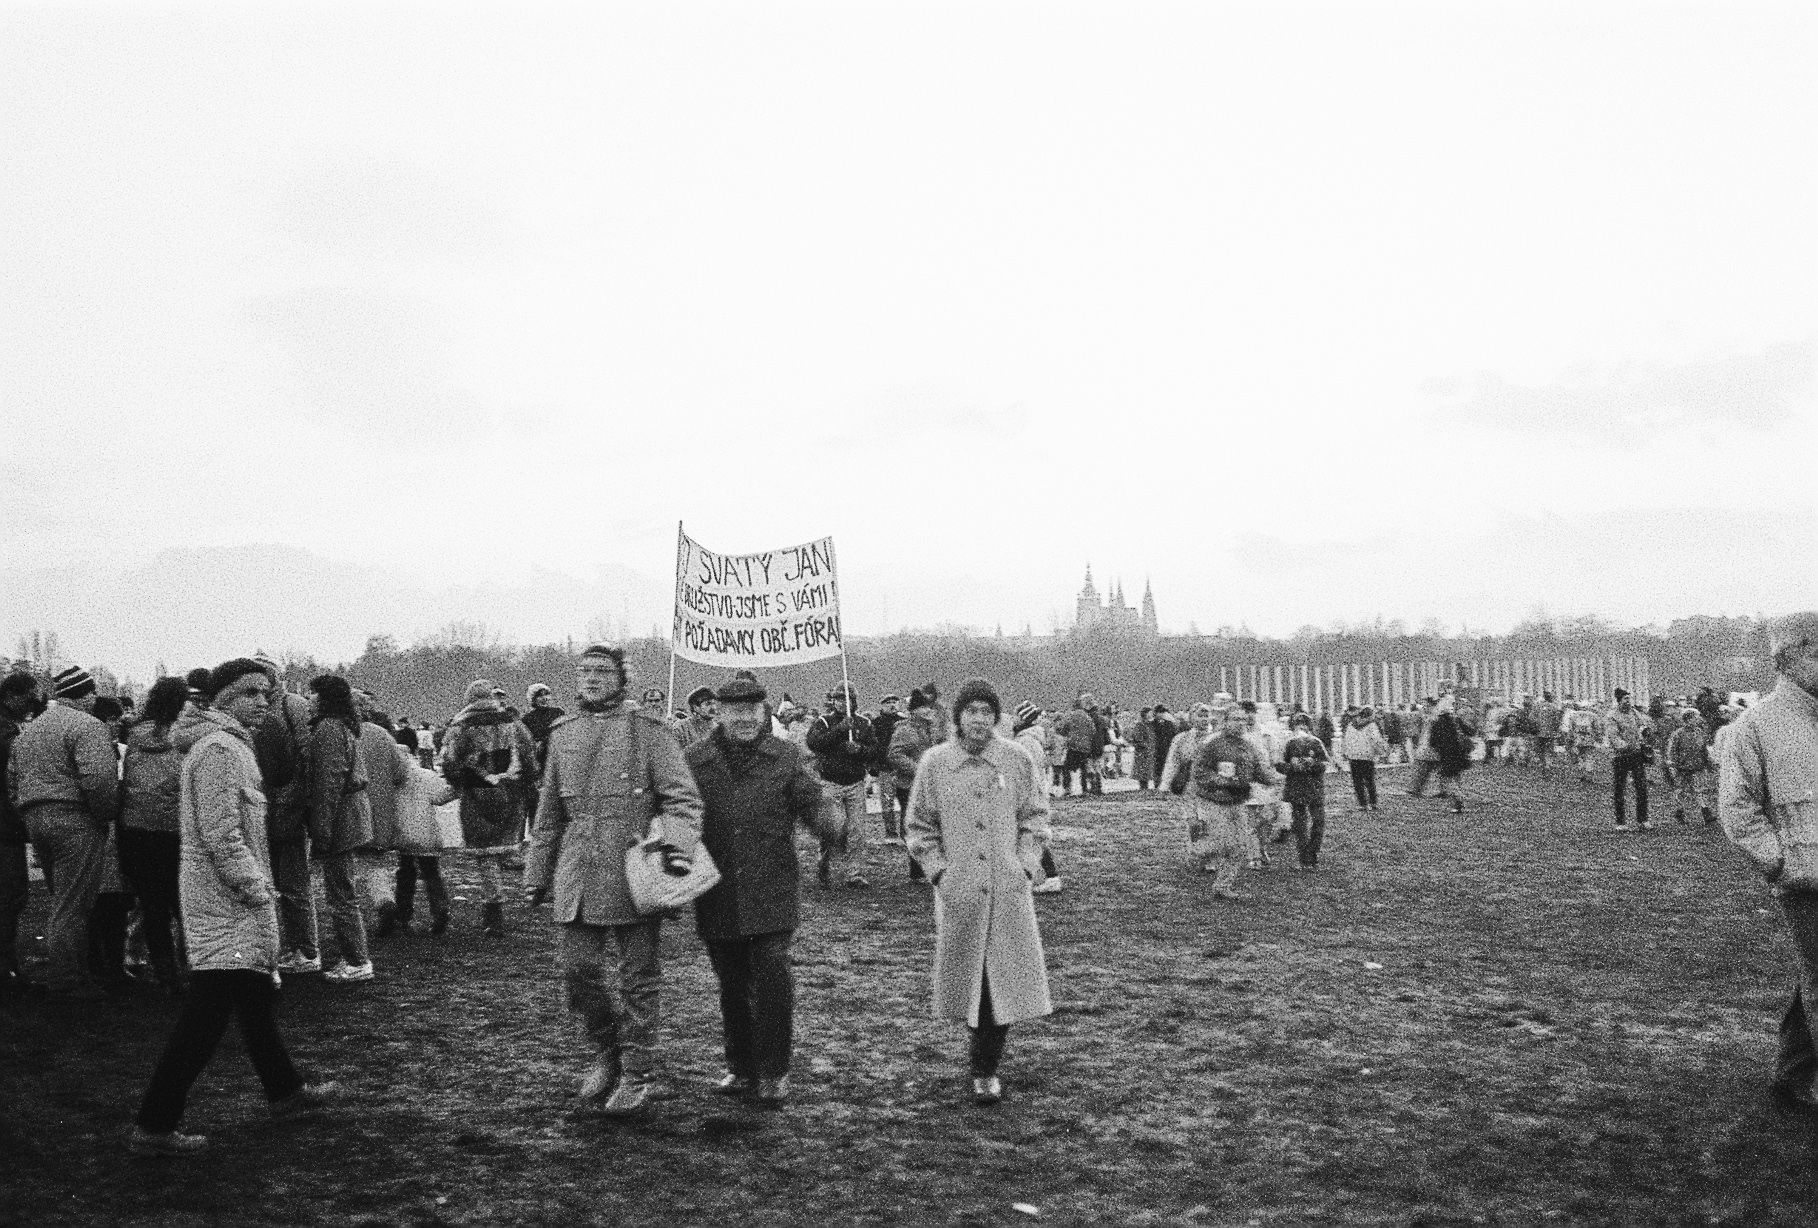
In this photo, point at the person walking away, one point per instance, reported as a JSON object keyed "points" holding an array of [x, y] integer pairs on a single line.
{"points": [[843, 744], [1689, 756], [1389, 722], [1224, 770], [1165, 727], [1450, 743], [1081, 732], [281, 744], [65, 784], [612, 775], [150, 844], [1424, 756], [755, 790], [489, 756], [230, 916], [340, 820], [1028, 734], [978, 822], [1767, 783], [389, 771], [910, 739], [1142, 738], [883, 725], [18, 699], [1630, 734], [1363, 744], [1303, 768], [1545, 723]]}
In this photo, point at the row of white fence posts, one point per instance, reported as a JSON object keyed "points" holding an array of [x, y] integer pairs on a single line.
{"points": [[1332, 688]]}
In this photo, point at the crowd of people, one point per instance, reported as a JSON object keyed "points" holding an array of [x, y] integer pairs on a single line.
{"points": [[231, 832]]}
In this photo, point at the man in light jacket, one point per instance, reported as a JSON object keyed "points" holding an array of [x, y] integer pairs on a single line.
{"points": [[65, 783], [1767, 798], [230, 918], [610, 772]]}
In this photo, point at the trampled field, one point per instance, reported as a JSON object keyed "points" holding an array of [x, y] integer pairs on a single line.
{"points": [[1511, 1017]]}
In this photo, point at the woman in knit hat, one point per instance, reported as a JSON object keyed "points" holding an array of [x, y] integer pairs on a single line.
{"points": [[978, 824]]}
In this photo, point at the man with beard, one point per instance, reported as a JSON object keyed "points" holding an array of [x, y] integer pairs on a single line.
{"points": [[611, 772]]}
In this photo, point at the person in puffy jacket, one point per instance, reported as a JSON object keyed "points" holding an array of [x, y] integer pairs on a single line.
{"points": [[230, 916], [149, 843]]}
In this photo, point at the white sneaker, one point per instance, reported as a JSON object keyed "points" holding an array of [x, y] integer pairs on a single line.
{"points": [[1050, 886], [347, 974], [293, 961]]}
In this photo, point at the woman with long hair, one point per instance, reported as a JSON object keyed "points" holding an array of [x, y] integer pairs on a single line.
{"points": [[149, 841], [340, 819]]}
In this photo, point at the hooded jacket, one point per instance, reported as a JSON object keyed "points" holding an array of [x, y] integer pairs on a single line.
{"points": [[148, 780], [66, 756], [230, 917]]}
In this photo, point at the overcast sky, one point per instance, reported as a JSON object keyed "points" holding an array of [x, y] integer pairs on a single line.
{"points": [[1305, 311]]}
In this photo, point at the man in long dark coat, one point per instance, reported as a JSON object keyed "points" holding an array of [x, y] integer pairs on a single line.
{"points": [[755, 788]]}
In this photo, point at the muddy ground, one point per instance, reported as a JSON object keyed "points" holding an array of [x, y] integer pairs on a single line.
{"points": [[1510, 1017]]}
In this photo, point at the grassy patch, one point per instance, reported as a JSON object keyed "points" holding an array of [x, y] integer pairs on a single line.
{"points": [[1509, 1017]]}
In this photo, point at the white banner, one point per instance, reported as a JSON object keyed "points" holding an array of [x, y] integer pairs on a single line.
{"points": [[781, 607]]}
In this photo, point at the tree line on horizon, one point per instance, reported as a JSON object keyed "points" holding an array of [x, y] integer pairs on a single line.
{"points": [[425, 681]]}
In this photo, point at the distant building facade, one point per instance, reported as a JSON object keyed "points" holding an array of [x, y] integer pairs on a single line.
{"points": [[1113, 614]]}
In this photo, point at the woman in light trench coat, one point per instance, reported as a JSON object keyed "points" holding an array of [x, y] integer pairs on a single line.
{"points": [[978, 824]]}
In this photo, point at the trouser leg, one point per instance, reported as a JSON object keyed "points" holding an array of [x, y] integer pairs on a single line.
{"points": [[107, 934], [15, 890], [916, 873], [1417, 785], [1048, 864], [256, 1007], [206, 1008], [1797, 1062], [72, 849], [641, 973], [148, 860], [772, 1003], [433, 886], [492, 879], [296, 897], [732, 968], [1360, 783], [404, 887], [339, 892], [985, 1042], [612, 973]]}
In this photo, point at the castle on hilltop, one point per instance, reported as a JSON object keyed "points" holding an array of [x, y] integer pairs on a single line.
{"points": [[1114, 614]]}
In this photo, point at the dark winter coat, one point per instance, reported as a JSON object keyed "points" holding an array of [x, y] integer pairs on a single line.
{"points": [[752, 798], [1451, 743], [842, 760], [1303, 763]]}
